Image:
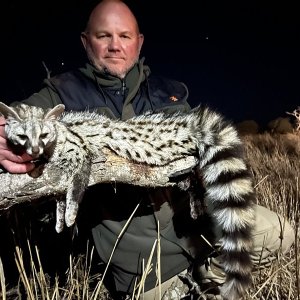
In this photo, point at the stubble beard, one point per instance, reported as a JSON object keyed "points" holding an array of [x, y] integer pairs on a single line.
{"points": [[104, 69]]}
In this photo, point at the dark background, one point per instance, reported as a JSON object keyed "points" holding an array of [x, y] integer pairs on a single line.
{"points": [[241, 57]]}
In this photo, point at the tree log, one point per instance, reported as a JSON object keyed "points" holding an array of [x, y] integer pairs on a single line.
{"points": [[20, 188]]}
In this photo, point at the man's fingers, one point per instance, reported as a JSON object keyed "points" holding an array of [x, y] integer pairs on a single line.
{"points": [[17, 168], [6, 154], [2, 121]]}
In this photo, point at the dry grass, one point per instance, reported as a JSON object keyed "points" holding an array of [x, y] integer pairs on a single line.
{"points": [[274, 160], [35, 284], [275, 164]]}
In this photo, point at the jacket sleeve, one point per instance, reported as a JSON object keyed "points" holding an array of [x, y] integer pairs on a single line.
{"points": [[186, 105], [168, 95], [179, 102], [47, 97]]}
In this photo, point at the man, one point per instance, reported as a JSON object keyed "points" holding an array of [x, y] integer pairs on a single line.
{"points": [[116, 82]]}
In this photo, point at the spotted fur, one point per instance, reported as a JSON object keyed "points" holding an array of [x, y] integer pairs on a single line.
{"points": [[158, 139]]}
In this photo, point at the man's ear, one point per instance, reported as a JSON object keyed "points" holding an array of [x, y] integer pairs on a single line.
{"points": [[141, 41], [83, 38]]}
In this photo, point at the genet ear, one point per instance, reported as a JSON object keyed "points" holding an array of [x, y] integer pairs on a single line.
{"points": [[8, 111], [55, 112]]}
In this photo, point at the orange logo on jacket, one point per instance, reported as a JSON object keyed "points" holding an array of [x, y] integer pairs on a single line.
{"points": [[173, 98]]}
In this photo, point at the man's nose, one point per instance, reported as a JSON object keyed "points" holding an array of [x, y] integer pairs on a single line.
{"points": [[114, 43]]}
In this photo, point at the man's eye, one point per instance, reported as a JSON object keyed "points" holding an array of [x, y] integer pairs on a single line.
{"points": [[101, 36]]}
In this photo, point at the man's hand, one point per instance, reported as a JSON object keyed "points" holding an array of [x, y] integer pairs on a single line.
{"points": [[13, 163]]}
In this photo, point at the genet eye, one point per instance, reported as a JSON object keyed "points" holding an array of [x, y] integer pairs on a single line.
{"points": [[44, 135], [22, 136]]}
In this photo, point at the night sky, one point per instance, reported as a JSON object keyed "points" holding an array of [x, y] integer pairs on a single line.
{"points": [[240, 57]]}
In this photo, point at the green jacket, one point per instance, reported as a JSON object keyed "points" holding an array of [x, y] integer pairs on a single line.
{"points": [[87, 88]]}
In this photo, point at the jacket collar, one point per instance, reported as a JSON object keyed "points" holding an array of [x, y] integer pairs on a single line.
{"points": [[135, 76], [132, 81]]}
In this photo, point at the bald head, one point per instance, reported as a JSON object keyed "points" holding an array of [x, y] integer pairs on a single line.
{"points": [[108, 8], [112, 39]]}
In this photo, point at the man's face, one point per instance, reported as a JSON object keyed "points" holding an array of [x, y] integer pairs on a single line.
{"points": [[112, 41]]}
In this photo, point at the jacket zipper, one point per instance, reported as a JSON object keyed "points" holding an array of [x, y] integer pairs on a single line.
{"points": [[123, 88]]}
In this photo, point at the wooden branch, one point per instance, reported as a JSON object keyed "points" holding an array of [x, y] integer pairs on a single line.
{"points": [[20, 188], [296, 114]]}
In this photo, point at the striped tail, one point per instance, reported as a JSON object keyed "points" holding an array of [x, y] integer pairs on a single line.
{"points": [[229, 196]]}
